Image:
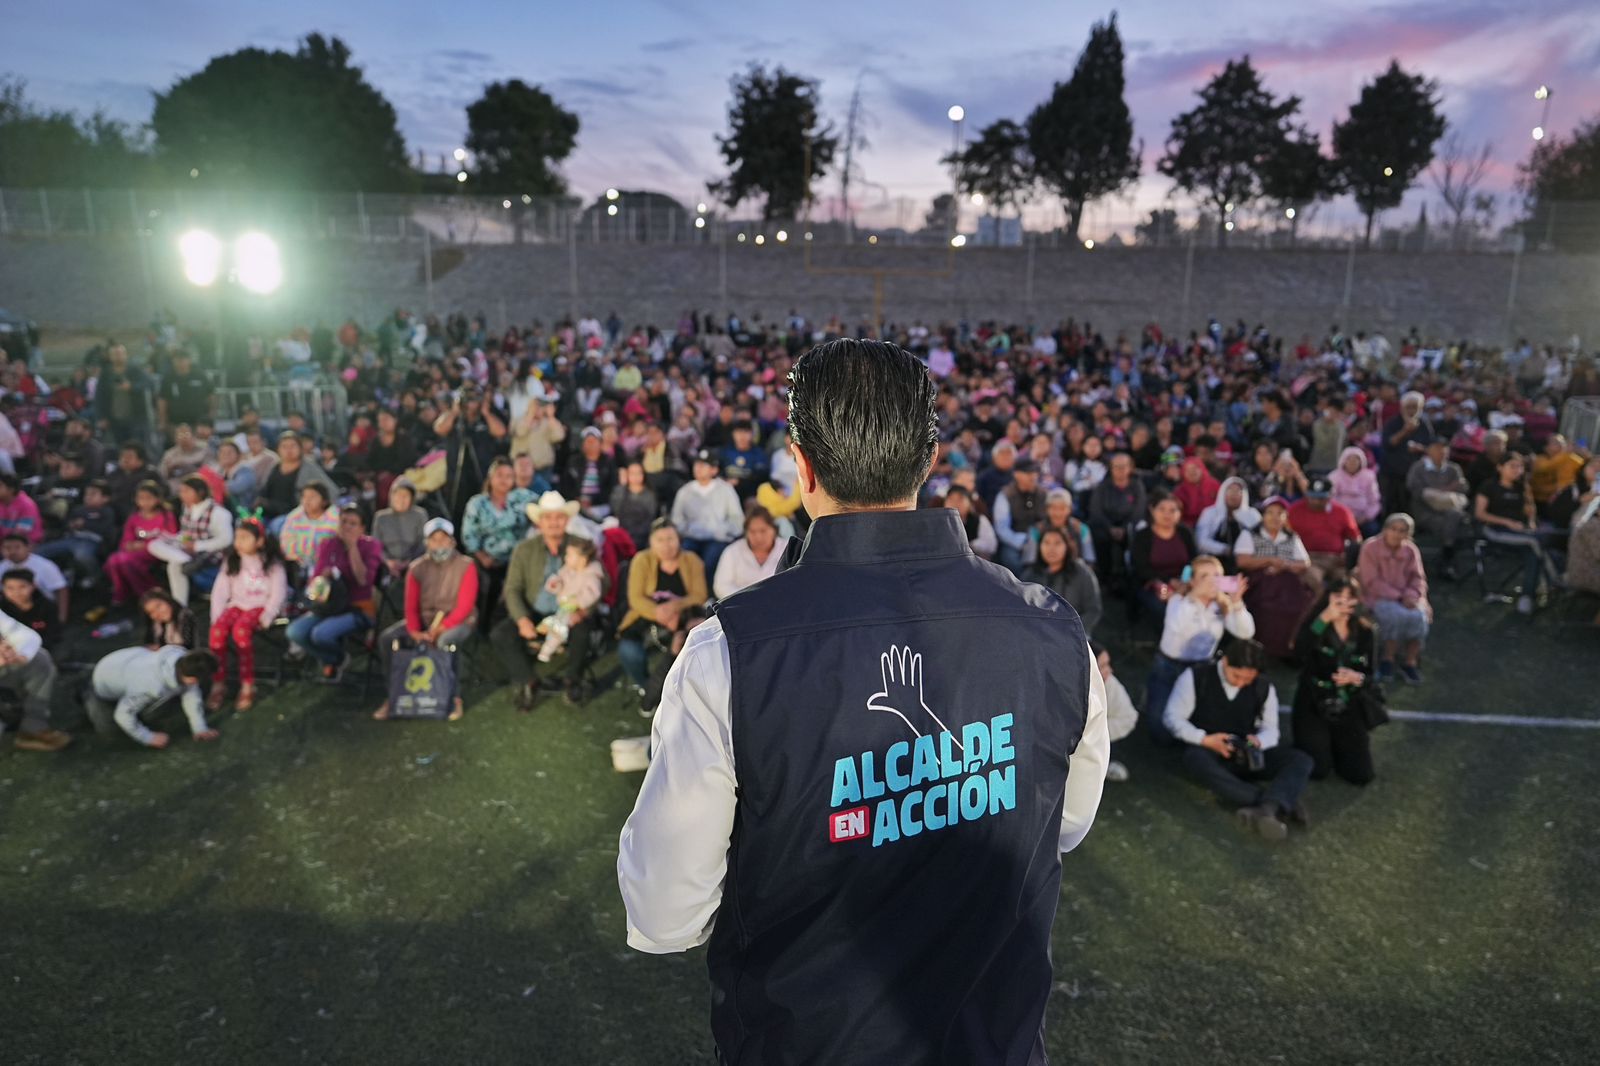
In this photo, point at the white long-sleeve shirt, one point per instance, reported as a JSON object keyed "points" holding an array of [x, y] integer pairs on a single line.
{"points": [[738, 568], [673, 854], [1193, 630], [1180, 709], [136, 679], [708, 512]]}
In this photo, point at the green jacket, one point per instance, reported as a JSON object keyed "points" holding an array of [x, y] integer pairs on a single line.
{"points": [[525, 575]]}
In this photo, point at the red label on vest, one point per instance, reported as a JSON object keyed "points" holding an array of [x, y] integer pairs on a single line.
{"points": [[847, 825]]}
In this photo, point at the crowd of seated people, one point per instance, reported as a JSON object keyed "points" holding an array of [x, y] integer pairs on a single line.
{"points": [[554, 491]]}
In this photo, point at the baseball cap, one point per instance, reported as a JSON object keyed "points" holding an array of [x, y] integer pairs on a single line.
{"points": [[706, 455], [1319, 489], [438, 525], [1025, 466], [591, 431], [1274, 501], [1173, 456]]}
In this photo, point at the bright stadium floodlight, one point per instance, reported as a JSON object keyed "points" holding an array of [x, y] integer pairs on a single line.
{"points": [[1541, 92], [872, 239], [460, 155], [741, 238], [783, 235], [977, 198], [1228, 225], [1088, 245], [1288, 213], [1538, 133], [1388, 172], [612, 194], [202, 257], [461, 175], [956, 113], [760, 239], [506, 204], [958, 241], [699, 223], [700, 208], [527, 199], [256, 263], [611, 209]]}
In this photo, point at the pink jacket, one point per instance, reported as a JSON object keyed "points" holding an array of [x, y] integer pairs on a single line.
{"points": [[251, 588], [1391, 574], [580, 586], [1358, 491]]}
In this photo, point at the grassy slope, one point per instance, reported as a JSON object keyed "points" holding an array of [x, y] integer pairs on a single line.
{"points": [[319, 887]]}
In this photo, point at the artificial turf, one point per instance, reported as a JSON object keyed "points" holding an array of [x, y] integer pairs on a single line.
{"points": [[318, 887]]}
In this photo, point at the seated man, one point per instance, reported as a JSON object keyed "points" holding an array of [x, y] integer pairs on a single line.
{"points": [[16, 554], [1325, 527], [27, 669], [129, 682], [1227, 714], [1440, 500], [529, 601]]}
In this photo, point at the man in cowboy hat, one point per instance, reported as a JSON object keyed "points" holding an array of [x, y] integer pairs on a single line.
{"points": [[533, 563]]}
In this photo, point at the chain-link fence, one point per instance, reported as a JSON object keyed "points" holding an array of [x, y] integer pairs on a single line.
{"points": [[910, 218]]}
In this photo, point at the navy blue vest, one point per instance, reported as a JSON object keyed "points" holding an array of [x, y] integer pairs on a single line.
{"points": [[1214, 712], [903, 713]]}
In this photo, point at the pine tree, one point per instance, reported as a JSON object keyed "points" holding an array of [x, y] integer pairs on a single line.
{"points": [[1081, 139], [1387, 141], [1220, 149]]}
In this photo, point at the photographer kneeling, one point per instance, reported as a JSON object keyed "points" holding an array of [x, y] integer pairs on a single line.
{"points": [[1228, 715]]}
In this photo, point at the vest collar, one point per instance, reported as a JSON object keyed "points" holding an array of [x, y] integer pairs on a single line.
{"points": [[863, 537]]}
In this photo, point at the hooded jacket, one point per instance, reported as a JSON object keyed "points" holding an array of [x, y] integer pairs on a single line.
{"points": [[1210, 532], [1358, 491], [1196, 496]]}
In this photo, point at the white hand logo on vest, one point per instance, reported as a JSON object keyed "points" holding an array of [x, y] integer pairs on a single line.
{"points": [[937, 781], [902, 689]]}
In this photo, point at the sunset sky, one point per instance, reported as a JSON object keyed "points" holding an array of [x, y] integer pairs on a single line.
{"points": [[650, 78]]}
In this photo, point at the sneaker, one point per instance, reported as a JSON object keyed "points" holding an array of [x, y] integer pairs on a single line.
{"points": [[44, 740], [1412, 675], [1115, 771], [1385, 671], [332, 675], [295, 653], [526, 698], [1263, 818], [1524, 604]]}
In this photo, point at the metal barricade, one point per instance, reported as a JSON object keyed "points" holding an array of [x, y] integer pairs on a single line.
{"points": [[1580, 421], [324, 404]]}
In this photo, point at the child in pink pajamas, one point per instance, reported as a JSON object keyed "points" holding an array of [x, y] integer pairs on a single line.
{"points": [[250, 591]]}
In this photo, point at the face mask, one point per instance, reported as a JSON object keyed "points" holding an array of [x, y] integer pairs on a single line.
{"points": [[441, 555]]}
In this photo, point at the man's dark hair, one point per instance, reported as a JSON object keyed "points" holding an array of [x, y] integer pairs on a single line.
{"points": [[21, 573], [11, 481], [99, 484], [14, 534], [863, 413], [1246, 655], [133, 446], [199, 664]]}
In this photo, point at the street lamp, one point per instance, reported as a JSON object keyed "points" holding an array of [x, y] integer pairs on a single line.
{"points": [[256, 263], [461, 176], [1288, 213], [956, 113], [1538, 133], [1088, 245], [760, 239], [958, 241], [460, 155], [202, 257], [700, 208], [1388, 172], [611, 209], [699, 223], [612, 194], [977, 199], [783, 235]]}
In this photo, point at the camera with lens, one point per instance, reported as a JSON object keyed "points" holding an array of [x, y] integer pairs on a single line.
{"points": [[1247, 754]]}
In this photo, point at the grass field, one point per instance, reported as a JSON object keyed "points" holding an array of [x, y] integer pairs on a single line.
{"points": [[318, 887]]}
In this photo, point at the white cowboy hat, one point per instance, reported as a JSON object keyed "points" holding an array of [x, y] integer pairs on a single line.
{"points": [[553, 501]]}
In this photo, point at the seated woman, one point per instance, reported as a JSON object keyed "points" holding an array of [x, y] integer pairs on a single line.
{"points": [[1196, 491], [1583, 542], [1160, 552], [663, 581], [980, 531], [1335, 650], [1060, 570], [496, 520], [166, 621], [441, 604], [249, 594], [751, 558], [353, 561], [1191, 632], [1394, 588], [1060, 513], [1278, 565], [1356, 486], [1507, 517], [238, 477], [1286, 479], [205, 529], [1121, 717], [307, 526], [131, 566], [398, 527], [1221, 524], [634, 504]]}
